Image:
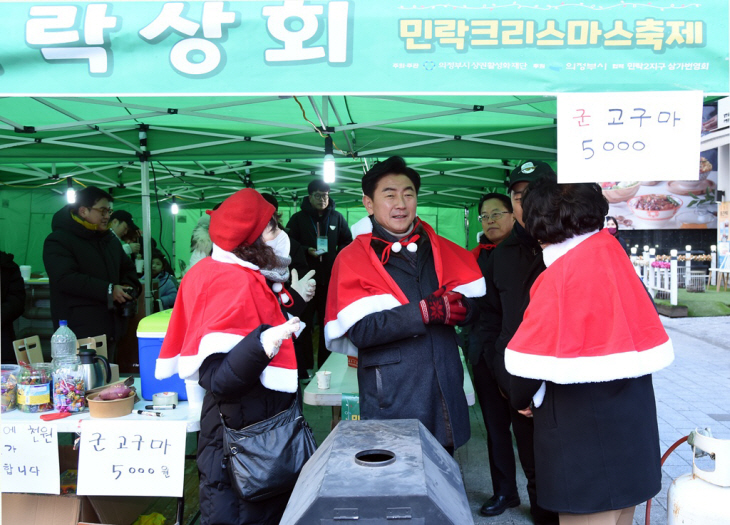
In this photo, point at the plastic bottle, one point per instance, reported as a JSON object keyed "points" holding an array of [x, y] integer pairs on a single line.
{"points": [[63, 342]]}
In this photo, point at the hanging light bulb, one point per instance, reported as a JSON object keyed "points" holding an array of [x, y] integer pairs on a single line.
{"points": [[174, 208], [328, 168], [70, 192]]}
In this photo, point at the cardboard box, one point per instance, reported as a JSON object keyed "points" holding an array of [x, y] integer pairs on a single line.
{"points": [[39, 509]]}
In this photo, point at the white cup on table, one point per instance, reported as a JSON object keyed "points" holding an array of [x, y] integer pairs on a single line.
{"points": [[323, 379], [25, 272]]}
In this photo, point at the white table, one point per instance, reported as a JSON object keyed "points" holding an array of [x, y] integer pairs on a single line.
{"points": [[344, 380], [72, 423]]}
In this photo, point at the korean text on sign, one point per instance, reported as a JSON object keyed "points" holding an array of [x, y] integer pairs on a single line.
{"points": [[143, 459], [30, 458], [420, 34], [645, 136]]}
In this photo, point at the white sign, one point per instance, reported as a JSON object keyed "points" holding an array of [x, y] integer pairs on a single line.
{"points": [[30, 458], [641, 136], [723, 112], [132, 458]]}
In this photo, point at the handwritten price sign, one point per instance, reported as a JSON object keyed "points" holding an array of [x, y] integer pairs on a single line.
{"points": [[30, 458], [643, 136], [146, 458]]}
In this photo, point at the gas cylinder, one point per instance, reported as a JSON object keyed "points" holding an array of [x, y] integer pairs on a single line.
{"points": [[701, 498]]}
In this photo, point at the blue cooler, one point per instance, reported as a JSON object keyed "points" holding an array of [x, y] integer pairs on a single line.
{"points": [[150, 333]]}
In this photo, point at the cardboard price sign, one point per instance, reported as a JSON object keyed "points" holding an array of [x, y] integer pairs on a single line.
{"points": [[30, 458], [146, 458], [642, 136]]}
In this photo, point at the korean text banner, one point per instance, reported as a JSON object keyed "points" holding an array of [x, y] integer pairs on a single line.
{"points": [[366, 46]]}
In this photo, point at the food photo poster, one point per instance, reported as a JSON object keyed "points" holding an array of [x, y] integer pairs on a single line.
{"points": [[669, 205]]}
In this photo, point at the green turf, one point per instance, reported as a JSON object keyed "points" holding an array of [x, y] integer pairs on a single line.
{"points": [[708, 304]]}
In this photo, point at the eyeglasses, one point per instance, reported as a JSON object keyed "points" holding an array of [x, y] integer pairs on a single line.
{"points": [[320, 196], [104, 211], [493, 217]]}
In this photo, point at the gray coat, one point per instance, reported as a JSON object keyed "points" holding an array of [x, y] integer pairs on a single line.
{"points": [[408, 370]]}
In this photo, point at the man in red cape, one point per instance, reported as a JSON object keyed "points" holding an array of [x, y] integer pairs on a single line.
{"points": [[395, 295]]}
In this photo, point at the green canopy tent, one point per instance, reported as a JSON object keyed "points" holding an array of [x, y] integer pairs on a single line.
{"points": [[201, 150], [435, 83]]}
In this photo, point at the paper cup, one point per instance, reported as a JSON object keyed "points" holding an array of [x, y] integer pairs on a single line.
{"points": [[25, 272], [139, 264], [323, 379]]}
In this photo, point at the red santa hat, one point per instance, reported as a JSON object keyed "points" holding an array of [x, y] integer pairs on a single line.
{"points": [[241, 219]]}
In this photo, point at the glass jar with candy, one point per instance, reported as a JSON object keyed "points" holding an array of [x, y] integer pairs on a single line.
{"points": [[34, 388], [68, 385], [9, 387]]}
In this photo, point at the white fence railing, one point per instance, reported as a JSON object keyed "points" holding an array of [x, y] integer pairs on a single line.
{"points": [[661, 282]]}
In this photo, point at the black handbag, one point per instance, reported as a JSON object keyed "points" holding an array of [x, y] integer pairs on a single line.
{"points": [[264, 459]]}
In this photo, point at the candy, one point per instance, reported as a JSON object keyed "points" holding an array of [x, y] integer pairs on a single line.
{"points": [[34, 388]]}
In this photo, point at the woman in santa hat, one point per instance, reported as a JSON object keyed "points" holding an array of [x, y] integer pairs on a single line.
{"points": [[584, 354], [228, 333]]}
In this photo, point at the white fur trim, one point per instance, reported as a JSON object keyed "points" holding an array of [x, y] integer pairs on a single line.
{"points": [[362, 227], [280, 379], [598, 369], [477, 288], [221, 255], [336, 329], [187, 366], [553, 252], [165, 368]]}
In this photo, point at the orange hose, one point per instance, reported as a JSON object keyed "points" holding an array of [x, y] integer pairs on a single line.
{"points": [[671, 449]]}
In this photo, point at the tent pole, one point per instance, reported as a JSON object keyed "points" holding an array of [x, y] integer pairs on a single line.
{"points": [[466, 227], [146, 227], [172, 255]]}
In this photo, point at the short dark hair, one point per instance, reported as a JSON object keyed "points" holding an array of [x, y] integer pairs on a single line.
{"points": [[317, 185], [612, 218], [555, 212], [500, 197], [90, 196], [391, 166]]}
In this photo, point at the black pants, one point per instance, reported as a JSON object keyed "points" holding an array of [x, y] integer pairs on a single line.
{"points": [[316, 307], [524, 428], [497, 419]]}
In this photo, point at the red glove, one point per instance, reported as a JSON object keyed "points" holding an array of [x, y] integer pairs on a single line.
{"points": [[442, 307]]}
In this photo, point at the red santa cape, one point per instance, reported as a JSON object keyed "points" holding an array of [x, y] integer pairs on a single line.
{"points": [[221, 300], [589, 318], [360, 286]]}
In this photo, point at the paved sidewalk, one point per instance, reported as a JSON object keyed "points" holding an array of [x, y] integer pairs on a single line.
{"points": [[693, 392]]}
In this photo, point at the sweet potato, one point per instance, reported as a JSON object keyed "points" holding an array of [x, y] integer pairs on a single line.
{"points": [[117, 391]]}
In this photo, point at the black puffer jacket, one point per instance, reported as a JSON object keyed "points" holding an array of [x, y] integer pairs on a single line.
{"points": [[12, 288], [233, 385], [81, 264], [304, 226], [510, 272]]}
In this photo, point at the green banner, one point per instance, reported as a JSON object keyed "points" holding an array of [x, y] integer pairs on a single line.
{"points": [[367, 46]]}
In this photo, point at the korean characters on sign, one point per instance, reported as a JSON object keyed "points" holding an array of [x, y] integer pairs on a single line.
{"points": [[637, 136], [54, 30], [197, 32], [132, 460], [29, 455], [422, 34]]}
